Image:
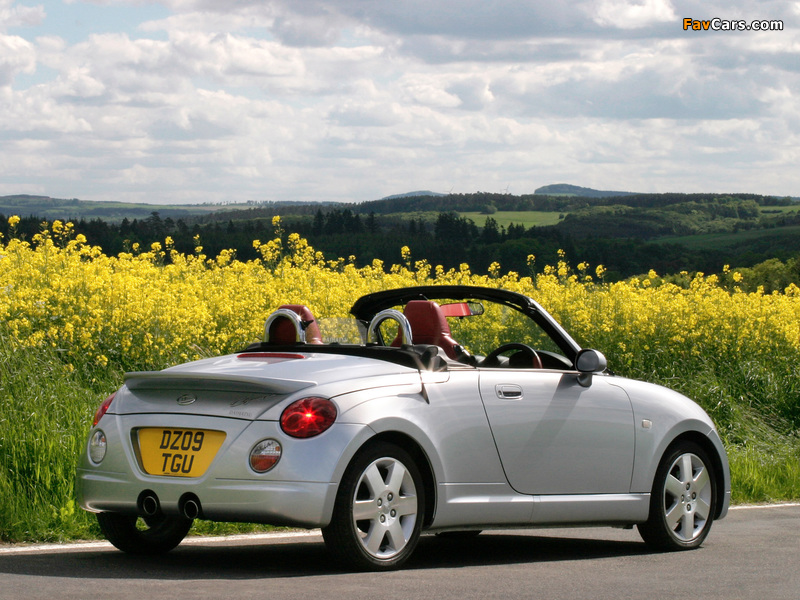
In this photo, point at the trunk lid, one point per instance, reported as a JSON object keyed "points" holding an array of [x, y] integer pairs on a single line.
{"points": [[241, 386]]}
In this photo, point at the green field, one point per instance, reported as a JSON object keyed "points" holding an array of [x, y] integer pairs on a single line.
{"points": [[504, 218], [737, 238], [51, 209], [792, 208], [528, 218]]}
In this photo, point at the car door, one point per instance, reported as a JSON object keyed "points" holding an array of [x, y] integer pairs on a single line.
{"points": [[555, 436]]}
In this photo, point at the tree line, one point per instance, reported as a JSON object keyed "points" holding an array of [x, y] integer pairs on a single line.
{"points": [[625, 234]]}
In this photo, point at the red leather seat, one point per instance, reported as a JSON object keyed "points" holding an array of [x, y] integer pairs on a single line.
{"points": [[429, 326], [282, 329]]}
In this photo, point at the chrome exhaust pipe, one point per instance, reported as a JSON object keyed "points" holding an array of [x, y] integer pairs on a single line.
{"points": [[191, 508], [150, 505]]}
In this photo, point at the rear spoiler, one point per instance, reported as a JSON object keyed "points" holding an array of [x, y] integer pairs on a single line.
{"points": [[160, 380]]}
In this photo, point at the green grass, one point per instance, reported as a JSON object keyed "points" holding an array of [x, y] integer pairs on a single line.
{"points": [[429, 216], [764, 477], [45, 414], [46, 408], [528, 218], [51, 208], [767, 210]]}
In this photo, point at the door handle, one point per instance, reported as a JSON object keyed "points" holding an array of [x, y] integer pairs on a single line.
{"points": [[508, 391]]}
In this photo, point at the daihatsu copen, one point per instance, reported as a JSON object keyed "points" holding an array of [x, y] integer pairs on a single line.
{"points": [[434, 409]]}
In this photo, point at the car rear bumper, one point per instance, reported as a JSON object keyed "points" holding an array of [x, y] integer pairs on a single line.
{"points": [[295, 503]]}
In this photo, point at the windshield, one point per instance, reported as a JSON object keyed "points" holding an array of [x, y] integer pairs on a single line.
{"points": [[498, 325]]}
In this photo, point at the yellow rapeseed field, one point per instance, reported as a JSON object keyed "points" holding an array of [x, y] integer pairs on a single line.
{"points": [[156, 306]]}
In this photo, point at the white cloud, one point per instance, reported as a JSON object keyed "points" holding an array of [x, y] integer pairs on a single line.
{"points": [[16, 56], [473, 92], [632, 14], [346, 100], [428, 91], [13, 14]]}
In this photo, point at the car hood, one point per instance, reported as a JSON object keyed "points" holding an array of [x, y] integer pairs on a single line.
{"points": [[245, 385]]}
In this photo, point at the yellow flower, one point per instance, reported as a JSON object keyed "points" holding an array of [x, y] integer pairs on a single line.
{"points": [[133, 312]]}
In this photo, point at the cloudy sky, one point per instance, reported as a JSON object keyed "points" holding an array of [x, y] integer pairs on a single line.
{"points": [[174, 101]]}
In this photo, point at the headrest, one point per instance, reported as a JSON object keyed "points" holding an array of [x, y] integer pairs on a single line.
{"points": [[282, 329]]}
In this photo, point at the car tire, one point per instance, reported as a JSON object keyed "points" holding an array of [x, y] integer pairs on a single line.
{"points": [[147, 535], [683, 500], [378, 511]]}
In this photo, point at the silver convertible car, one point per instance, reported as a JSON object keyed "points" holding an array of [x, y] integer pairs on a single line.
{"points": [[438, 409]]}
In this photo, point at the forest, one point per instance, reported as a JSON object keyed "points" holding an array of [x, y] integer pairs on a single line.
{"points": [[628, 235]]}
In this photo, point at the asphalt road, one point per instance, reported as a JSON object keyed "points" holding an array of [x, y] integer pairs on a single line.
{"points": [[753, 553]]}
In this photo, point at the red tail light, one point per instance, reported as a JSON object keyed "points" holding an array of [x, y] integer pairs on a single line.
{"points": [[103, 409], [308, 417]]}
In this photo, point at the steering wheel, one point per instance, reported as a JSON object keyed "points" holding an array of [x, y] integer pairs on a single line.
{"points": [[529, 358]]}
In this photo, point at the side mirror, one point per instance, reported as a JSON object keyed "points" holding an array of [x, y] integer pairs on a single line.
{"points": [[589, 361]]}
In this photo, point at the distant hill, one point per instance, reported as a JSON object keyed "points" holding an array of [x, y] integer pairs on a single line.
{"points": [[565, 189], [45, 207], [412, 195]]}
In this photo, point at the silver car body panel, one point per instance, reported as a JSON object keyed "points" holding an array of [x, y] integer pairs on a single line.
{"points": [[558, 437]]}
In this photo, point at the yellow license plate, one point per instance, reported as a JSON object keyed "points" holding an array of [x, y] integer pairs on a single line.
{"points": [[178, 452]]}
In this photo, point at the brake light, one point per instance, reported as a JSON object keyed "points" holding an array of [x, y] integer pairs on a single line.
{"points": [[103, 409], [308, 417], [270, 356]]}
